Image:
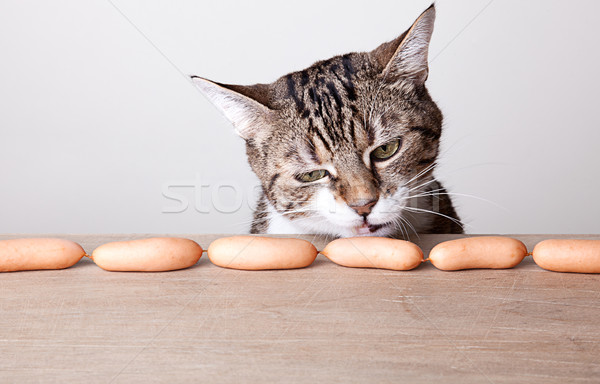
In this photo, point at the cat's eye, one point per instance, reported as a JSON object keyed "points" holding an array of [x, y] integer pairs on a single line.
{"points": [[312, 176], [386, 150]]}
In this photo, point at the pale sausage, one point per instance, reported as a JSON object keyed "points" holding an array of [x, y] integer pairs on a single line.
{"points": [[257, 253], [148, 255], [561, 255], [374, 252], [38, 253], [478, 252]]}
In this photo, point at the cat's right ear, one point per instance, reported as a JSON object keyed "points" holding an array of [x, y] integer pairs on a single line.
{"points": [[239, 104]]}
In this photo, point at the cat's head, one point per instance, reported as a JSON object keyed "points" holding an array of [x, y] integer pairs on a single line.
{"points": [[341, 146]]}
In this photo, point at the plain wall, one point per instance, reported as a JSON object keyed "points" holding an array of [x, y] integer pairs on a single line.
{"points": [[99, 126]]}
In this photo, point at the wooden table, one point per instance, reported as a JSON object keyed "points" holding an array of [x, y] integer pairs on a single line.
{"points": [[324, 323]]}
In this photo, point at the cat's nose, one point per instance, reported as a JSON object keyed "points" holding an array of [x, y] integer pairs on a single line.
{"points": [[363, 207]]}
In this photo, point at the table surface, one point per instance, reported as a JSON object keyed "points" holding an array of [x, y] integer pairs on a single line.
{"points": [[323, 323]]}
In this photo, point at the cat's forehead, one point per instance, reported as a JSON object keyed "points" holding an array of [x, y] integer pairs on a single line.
{"points": [[339, 78], [340, 102], [324, 105]]}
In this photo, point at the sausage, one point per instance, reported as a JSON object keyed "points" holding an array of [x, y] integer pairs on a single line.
{"points": [[563, 255], [258, 253], [147, 255], [478, 252], [374, 252], [38, 253]]}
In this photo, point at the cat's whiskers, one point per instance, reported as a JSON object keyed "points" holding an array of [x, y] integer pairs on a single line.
{"points": [[433, 192], [294, 211], [402, 229], [420, 177], [417, 191], [422, 210], [302, 212], [422, 172], [409, 224], [440, 191], [243, 224], [436, 192], [408, 216], [419, 187], [400, 224]]}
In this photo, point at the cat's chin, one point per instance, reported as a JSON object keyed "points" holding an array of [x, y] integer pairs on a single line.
{"points": [[381, 230]]}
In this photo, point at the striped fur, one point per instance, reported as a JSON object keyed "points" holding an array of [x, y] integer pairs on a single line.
{"points": [[331, 116]]}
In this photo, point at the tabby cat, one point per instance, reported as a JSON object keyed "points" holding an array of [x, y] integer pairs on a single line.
{"points": [[348, 146]]}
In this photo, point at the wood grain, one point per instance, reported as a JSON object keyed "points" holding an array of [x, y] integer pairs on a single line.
{"points": [[323, 323]]}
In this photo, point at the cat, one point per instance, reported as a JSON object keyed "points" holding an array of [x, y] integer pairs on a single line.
{"points": [[348, 146]]}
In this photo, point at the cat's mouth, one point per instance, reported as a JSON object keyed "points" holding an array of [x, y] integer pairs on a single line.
{"points": [[366, 229]]}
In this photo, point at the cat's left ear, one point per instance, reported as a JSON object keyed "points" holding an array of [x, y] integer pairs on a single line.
{"points": [[406, 56], [242, 105]]}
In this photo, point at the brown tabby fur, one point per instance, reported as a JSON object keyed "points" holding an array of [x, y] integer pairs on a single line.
{"points": [[334, 112]]}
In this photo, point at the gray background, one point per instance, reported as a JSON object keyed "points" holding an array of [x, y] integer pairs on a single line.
{"points": [[98, 126]]}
